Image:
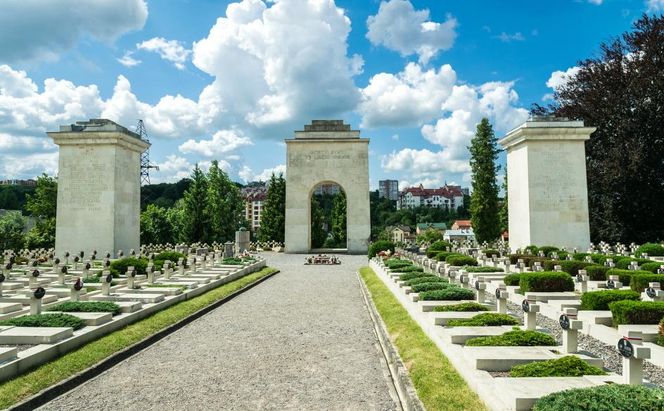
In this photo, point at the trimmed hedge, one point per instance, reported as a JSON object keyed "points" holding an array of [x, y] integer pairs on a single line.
{"points": [[568, 366], [410, 276], [569, 266], [637, 312], [489, 252], [442, 255], [602, 398], [625, 275], [408, 269], [86, 307], [512, 279], [580, 256], [528, 260], [547, 250], [515, 338], [460, 260], [435, 285], [440, 245], [652, 249], [546, 281], [626, 261], [652, 267], [599, 300], [482, 269], [462, 307], [394, 263], [639, 282], [431, 279], [532, 249], [449, 294], [597, 272], [484, 320], [119, 267], [378, 246], [46, 320]]}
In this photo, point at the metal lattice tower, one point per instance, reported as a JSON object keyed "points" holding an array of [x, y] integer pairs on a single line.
{"points": [[145, 156]]}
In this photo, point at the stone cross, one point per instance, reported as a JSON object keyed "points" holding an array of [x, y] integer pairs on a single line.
{"points": [[633, 352], [75, 291], [530, 310], [61, 275], [582, 278], [32, 282], [131, 276], [501, 299], [571, 327], [480, 286], [150, 271], [613, 282], [36, 300], [106, 279]]}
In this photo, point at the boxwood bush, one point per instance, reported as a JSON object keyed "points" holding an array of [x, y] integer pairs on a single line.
{"points": [[437, 247], [624, 275], [568, 366], [119, 267], [637, 312], [528, 260], [547, 250], [569, 266], [378, 246], [449, 294], [531, 249], [410, 276], [442, 255], [87, 307], [489, 252], [626, 261], [516, 338], [46, 320], [546, 281], [462, 307], [408, 269], [580, 256], [484, 320], [597, 272], [604, 398], [599, 300], [421, 287], [460, 260], [652, 249], [428, 279], [394, 263], [482, 269], [639, 282], [512, 279], [652, 266]]}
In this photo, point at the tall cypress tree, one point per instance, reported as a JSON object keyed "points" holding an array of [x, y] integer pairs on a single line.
{"points": [[223, 205], [504, 210], [196, 220], [484, 200], [317, 219], [273, 216], [339, 219]]}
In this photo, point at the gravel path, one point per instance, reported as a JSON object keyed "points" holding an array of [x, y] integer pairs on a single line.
{"points": [[301, 340]]}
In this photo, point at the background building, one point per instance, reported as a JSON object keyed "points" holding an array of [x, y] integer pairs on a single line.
{"points": [[388, 189], [447, 196], [253, 204]]}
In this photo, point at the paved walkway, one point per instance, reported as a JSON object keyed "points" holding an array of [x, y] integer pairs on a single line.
{"points": [[301, 340]]}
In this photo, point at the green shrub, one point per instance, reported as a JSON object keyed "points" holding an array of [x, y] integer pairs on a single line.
{"points": [[532, 249], [460, 260], [436, 285], [528, 260], [483, 269], [568, 366], [440, 245], [562, 255], [547, 250], [599, 300], [408, 269], [516, 338], [569, 266], [546, 281], [491, 252], [639, 282], [637, 312], [392, 263], [624, 275], [609, 397], [626, 261], [119, 267], [378, 246], [410, 276], [448, 294], [428, 279], [442, 255], [463, 307], [172, 256], [652, 249], [597, 272], [601, 258], [652, 267], [484, 320], [86, 307], [580, 256], [660, 339], [232, 261], [46, 320], [512, 279]]}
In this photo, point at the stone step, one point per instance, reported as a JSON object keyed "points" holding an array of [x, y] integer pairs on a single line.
{"points": [[25, 300], [90, 318], [459, 335], [650, 332], [34, 335], [443, 317], [129, 306], [504, 358], [8, 354], [10, 307], [596, 317], [151, 290], [141, 298]]}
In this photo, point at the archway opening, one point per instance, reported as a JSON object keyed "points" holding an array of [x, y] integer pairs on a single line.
{"points": [[329, 217]]}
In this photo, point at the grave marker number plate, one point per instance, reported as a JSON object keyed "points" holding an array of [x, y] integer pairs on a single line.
{"points": [[2, 277], [651, 292], [525, 305], [39, 293], [564, 322], [477, 285], [625, 348], [610, 285], [78, 285], [109, 278], [498, 293]]}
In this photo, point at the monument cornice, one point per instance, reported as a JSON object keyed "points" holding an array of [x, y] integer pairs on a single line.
{"points": [[534, 134], [324, 140], [98, 138]]}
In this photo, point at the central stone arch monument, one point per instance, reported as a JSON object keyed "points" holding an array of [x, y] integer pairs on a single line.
{"points": [[327, 151]]}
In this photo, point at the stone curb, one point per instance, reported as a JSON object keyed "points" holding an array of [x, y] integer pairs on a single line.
{"points": [[405, 391], [76, 380]]}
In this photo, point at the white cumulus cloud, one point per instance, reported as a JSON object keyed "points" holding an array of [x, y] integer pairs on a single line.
{"points": [[559, 78], [399, 27], [223, 141], [169, 50], [654, 6]]}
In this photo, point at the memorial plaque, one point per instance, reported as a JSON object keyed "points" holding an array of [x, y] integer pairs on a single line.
{"points": [[64, 269], [610, 284], [109, 278], [2, 277], [78, 285], [39, 293], [625, 348], [525, 305], [477, 284], [35, 273], [498, 293], [564, 322], [651, 292]]}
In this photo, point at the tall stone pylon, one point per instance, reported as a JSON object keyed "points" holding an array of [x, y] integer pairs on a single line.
{"points": [[99, 188]]}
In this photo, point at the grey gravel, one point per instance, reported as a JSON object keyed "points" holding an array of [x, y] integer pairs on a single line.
{"points": [[301, 340]]}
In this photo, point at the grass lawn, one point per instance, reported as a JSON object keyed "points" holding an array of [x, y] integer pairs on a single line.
{"points": [[86, 356], [438, 384]]}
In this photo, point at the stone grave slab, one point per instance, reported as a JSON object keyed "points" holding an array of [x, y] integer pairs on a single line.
{"points": [[546, 297], [91, 318], [189, 283], [504, 358], [9, 307], [649, 332], [428, 306], [129, 306], [151, 290], [10, 285], [136, 297], [63, 292], [8, 353], [442, 318], [596, 285], [459, 335], [34, 335], [596, 317], [560, 304], [25, 300]]}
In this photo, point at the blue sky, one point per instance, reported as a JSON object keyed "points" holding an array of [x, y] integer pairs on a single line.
{"points": [[229, 81]]}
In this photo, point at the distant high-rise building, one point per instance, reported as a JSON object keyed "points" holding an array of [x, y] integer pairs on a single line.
{"points": [[388, 189], [254, 197]]}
